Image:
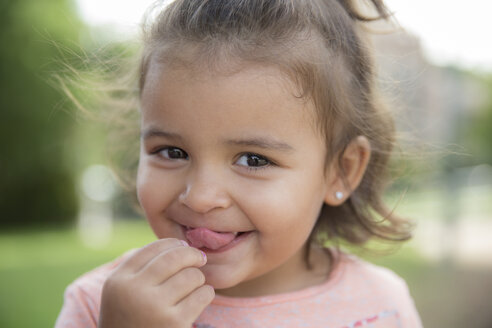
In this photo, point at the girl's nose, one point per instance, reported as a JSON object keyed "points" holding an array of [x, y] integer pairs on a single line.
{"points": [[205, 192]]}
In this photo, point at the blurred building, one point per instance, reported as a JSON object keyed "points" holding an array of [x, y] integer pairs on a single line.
{"points": [[430, 101]]}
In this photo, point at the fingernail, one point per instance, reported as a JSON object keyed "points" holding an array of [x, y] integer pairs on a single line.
{"points": [[184, 243], [204, 256]]}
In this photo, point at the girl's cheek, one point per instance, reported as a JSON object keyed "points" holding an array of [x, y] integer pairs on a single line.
{"points": [[149, 187], [279, 195], [141, 176], [144, 197], [157, 187], [142, 181], [268, 202]]}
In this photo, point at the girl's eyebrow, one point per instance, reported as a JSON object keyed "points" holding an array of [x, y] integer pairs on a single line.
{"points": [[154, 132], [259, 142]]}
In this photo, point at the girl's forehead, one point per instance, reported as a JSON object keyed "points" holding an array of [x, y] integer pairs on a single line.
{"points": [[198, 71], [166, 83], [266, 81], [261, 97]]}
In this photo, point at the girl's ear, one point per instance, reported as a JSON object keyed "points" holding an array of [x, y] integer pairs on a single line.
{"points": [[345, 175]]}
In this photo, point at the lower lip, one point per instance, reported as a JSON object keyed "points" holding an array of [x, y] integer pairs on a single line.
{"points": [[232, 244]]}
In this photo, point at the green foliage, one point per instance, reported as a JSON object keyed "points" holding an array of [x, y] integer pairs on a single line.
{"points": [[37, 184], [479, 131]]}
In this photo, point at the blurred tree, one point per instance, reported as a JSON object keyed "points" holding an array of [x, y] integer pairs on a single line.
{"points": [[37, 185], [479, 127]]}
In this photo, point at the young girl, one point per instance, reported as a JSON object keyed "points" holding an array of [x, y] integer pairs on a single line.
{"points": [[262, 138]]}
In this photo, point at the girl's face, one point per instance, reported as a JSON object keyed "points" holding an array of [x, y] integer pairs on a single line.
{"points": [[232, 153]]}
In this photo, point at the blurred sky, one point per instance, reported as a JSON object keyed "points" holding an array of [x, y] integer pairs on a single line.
{"points": [[451, 31]]}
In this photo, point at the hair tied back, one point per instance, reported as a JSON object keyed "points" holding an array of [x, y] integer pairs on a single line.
{"points": [[352, 8]]}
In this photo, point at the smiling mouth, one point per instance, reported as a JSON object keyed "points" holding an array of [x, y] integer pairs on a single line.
{"points": [[212, 241]]}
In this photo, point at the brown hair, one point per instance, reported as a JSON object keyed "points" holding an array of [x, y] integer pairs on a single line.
{"points": [[319, 45]]}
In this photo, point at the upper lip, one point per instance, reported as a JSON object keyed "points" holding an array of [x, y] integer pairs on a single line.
{"points": [[216, 230], [187, 227], [193, 220]]}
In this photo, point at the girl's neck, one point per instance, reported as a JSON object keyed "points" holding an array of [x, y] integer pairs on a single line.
{"points": [[291, 276]]}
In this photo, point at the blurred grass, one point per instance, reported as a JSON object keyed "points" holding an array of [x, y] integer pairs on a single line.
{"points": [[36, 266]]}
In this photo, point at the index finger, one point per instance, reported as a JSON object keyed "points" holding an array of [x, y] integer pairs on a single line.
{"points": [[145, 254]]}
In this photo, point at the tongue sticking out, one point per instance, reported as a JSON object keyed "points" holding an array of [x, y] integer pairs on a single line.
{"points": [[203, 237]]}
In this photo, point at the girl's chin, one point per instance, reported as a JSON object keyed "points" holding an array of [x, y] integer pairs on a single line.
{"points": [[220, 278]]}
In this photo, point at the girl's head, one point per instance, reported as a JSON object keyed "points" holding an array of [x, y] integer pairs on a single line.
{"points": [[256, 115]]}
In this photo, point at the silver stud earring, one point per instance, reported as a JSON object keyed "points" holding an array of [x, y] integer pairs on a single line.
{"points": [[339, 195]]}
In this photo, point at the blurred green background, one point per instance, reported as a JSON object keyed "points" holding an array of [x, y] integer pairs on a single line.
{"points": [[62, 213]]}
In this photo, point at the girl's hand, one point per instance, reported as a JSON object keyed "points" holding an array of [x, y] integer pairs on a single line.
{"points": [[160, 285]]}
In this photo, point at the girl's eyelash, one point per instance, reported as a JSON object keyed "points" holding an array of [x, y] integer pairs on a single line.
{"points": [[157, 150]]}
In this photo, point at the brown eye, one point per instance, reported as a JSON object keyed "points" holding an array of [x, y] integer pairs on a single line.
{"points": [[173, 153], [253, 160]]}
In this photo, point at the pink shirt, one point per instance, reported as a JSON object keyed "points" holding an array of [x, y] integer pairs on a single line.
{"points": [[357, 294]]}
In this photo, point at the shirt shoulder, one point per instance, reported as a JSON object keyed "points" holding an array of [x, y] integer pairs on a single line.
{"points": [[377, 278], [379, 286]]}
